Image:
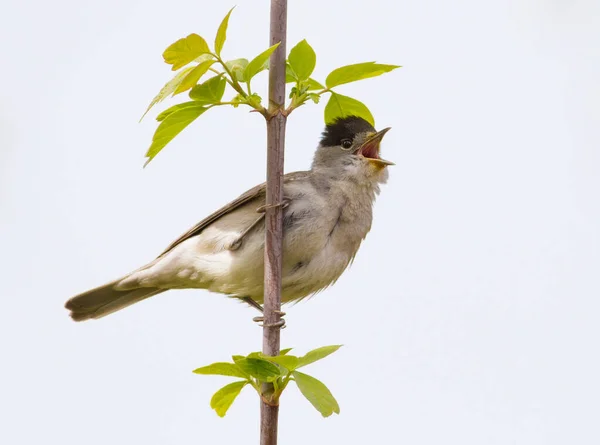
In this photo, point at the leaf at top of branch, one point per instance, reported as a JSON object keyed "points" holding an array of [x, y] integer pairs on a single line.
{"points": [[209, 92], [162, 116], [316, 393], [168, 89], [302, 60], [237, 68], [184, 50], [193, 76], [341, 106], [222, 33], [171, 126], [290, 75], [222, 368], [317, 354], [259, 63], [314, 85], [258, 368], [358, 71], [224, 397]]}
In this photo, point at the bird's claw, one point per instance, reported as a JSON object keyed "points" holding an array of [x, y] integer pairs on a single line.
{"points": [[278, 324]]}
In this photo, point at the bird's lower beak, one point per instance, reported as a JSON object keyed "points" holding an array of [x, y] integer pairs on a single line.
{"points": [[371, 147]]}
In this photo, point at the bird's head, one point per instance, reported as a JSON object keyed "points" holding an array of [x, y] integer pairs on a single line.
{"points": [[351, 146]]}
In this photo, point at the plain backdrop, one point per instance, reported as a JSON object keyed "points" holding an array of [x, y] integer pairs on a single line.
{"points": [[470, 314]]}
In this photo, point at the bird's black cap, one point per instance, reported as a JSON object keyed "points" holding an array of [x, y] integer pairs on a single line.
{"points": [[344, 128]]}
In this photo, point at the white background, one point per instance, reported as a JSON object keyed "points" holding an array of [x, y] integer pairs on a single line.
{"points": [[470, 314]]}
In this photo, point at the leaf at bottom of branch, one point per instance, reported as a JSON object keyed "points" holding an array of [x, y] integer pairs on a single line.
{"points": [[317, 394], [224, 397]]}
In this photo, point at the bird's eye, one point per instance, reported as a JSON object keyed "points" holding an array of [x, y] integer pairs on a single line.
{"points": [[346, 143]]}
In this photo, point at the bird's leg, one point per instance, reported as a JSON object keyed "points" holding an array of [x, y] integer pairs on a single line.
{"points": [[235, 245], [261, 319], [252, 303], [283, 204], [262, 209]]}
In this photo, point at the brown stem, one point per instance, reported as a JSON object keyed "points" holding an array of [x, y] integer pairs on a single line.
{"points": [[274, 214]]}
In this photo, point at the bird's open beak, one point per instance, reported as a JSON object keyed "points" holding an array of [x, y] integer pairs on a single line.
{"points": [[371, 147]]}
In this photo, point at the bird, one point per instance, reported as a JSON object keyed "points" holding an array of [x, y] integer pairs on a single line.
{"points": [[327, 213]]}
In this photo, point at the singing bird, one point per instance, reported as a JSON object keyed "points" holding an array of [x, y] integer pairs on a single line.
{"points": [[327, 212]]}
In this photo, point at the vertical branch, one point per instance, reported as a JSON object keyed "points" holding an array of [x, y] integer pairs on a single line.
{"points": [[274, 214]]}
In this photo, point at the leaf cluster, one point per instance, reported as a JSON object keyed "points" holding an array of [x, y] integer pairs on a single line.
{"points": [[270, 376], [193, 59]]}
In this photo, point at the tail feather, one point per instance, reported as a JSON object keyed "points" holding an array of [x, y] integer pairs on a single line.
{"points": [[105, 300]]}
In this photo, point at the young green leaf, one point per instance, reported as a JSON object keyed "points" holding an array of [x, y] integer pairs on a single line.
{"points": [[171, 126], [302, 60], [317, 354], [162, 116], [209, 92], [290, 75], [314, 85], [340, 106], [222, 368], [314, 97], [184, 50], [222, 33], [258, 368], [258, 64], [238, 68], [224, 397], [317, 394], [352, 73], [193, 76], [168, 89], [289, 362], [285, 351]]}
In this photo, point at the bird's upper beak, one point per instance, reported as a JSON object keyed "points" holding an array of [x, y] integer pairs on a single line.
{"points": [[370, 148]]}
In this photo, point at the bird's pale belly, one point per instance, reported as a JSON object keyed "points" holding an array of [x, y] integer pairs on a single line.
{"points": [[307, 268]]}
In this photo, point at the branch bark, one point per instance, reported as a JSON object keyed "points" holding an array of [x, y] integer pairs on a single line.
{"points": [[274, 214]]}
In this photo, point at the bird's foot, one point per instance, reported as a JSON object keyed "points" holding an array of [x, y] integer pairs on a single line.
{"points": [[283, 204], [279, 324]]}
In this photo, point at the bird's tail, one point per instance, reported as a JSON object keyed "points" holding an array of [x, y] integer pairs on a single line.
{"points": [[104, 300]]}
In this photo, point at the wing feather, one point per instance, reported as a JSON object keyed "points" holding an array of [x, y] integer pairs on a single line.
{"points": [[255, 193]]}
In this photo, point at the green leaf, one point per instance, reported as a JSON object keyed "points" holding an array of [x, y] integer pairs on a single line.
{"points": [[314, 97], [222, 33], [314, 85], [302, 60], [285, 351], [171, 126], [290, 75], [203, 57], [209, 92], [258, 64], [317, 354], [174, 108], [352, 73], [254, 100], [258, 368], [222, 368], [185, 50], [317, 394], [238, 68], [224, 397], [193, 76], [289, 362], [168, 89], [340, 106]]}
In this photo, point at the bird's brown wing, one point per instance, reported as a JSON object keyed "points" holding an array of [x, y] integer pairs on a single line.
{"points": [[254, 193]]}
